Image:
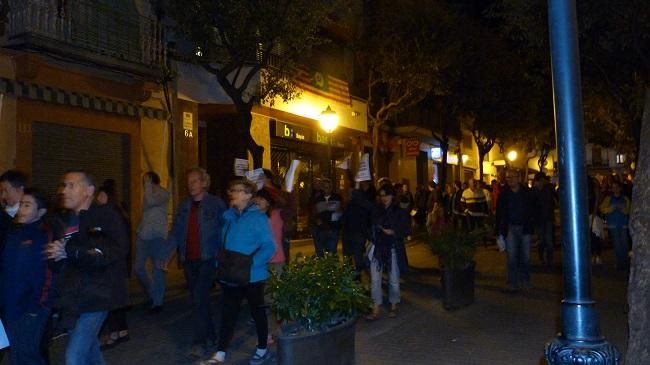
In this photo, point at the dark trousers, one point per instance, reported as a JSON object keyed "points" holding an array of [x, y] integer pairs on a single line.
{"points": [[26, 336], [545, 247], [232, 298], [200, 278], [116, 321], [354, 246]]}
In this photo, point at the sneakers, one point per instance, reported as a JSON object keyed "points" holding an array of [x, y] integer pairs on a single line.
{"points": [[258, 359], [219, 357]]}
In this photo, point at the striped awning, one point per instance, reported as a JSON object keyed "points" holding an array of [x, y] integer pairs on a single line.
{"points": [[31, 91]]}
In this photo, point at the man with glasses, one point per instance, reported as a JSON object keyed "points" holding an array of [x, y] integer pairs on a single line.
{"points": [[197, 236], [514, 222]]}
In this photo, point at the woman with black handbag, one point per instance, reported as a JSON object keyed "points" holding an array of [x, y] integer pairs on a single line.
{"points": [[243, 268]]}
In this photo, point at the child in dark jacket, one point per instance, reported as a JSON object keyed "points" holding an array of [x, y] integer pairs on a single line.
{"points": [[25, 281]]}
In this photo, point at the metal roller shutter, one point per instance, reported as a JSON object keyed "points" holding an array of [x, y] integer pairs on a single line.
{"points": [[57, 148]]}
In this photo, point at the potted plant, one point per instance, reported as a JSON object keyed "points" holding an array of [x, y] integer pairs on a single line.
{"points": [[317, 300], [455, 250]]}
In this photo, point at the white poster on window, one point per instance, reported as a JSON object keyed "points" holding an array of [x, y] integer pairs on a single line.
{"points": [[345, 164], [290, 178], [241, 167], [256, 176], [364, 169]]}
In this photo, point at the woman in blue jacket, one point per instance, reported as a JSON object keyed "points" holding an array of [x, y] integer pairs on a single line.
{"points": [[245, 230]]}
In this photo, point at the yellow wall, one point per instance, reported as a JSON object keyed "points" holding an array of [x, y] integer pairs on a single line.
{"points": [[155, 148]]}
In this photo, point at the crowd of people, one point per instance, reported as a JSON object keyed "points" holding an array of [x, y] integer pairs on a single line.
{"points": [[65, 262]]}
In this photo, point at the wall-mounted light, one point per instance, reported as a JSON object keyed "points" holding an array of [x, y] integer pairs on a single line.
{"points": [[465, 158], [512, 155]]}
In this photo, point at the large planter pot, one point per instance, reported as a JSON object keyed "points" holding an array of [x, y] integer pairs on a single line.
{"points": [[457, 287], [333, 346]]}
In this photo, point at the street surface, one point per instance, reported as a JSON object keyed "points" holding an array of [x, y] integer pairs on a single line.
{"points": [[497, 329]]}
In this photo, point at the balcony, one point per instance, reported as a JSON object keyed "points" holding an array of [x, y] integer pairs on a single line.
{"points": [[89, 31]]}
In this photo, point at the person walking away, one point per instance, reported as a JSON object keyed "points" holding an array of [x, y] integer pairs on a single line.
{"points": [[596, 223], [245, 230], [115, 329], [151, 238], [196, 234], [390, 225], [544, 217], [89, 261], [474, 205], [435, 208], [616, 208], [328, 210], [514, 221], [458, 213], [25, 281], [356, 225]]}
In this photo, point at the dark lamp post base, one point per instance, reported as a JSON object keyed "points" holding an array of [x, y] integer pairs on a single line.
{"points": [[563, 352]]}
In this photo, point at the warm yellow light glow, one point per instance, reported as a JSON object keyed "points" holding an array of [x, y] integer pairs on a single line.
{"points": [[329, 120], [465, 158], [512, 155]]}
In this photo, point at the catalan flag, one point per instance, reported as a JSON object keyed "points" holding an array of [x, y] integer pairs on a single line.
{"points": [[324, 85]]}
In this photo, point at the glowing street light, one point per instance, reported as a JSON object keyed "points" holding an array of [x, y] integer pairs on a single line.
{"points": [[512, 155], [329, 120]]}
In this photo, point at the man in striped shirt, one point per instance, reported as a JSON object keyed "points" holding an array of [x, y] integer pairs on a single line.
{"points": [[474, 205]]}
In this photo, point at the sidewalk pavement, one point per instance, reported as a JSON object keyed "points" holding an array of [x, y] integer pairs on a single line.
{"points": [[497, 329]]}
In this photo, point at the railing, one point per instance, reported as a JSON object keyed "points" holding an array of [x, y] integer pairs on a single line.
{"points": [[93, 26]]}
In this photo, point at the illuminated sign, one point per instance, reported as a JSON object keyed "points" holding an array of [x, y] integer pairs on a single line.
{"points": [[436, 153], [290, 131]]}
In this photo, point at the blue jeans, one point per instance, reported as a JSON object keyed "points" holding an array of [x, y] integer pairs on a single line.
{"points": [[393, 280], [518, 250], [201, 275], [154, 283], [325, 240], [618, 235], [83, 345], [25, 336]]}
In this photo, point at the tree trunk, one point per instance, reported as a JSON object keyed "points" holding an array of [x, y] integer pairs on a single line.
{"points": [[481, 157], [246, 117], [638, 350], [444, 148], [375, 148]]}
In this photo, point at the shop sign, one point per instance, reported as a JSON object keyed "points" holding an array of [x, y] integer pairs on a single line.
{"points": [[290, 131], [324, 138], [188, 124], [412, 147]]}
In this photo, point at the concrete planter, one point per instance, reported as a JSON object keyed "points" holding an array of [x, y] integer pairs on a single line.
{"points": [[334, 346]]}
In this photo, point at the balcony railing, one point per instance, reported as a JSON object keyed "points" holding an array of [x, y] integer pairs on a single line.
{"points": [[93, 26]]}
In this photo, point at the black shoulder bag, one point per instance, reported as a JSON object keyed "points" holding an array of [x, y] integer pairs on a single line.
{"points": [[234, 267]]}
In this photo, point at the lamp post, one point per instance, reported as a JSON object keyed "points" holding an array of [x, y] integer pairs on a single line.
{"points": [[580, 340], [329, 120], [512, 156]]}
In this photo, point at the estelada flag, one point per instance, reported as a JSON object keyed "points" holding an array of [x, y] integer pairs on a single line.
{"points": [[323, 85]]}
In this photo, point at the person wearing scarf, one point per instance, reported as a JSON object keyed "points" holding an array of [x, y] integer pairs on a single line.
{"points": [[390, 225]]}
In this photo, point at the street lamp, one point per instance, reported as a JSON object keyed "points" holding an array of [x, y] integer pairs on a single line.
{"points": [[512, 156], [329, 120]]}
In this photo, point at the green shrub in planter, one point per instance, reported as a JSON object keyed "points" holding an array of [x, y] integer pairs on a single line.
{"points": [[314, 293], [455, 248]]}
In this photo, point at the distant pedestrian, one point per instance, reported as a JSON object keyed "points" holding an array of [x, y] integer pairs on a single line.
{"points": [[596, 224], [245, 230], [474, 204], [616, 208], [435, 208], [89, 260], [390, 225], [196, 234], [514, 221], [457, 209], [25, 281], [328, 209], [356, 225], [544, 217], [151, 238]]}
